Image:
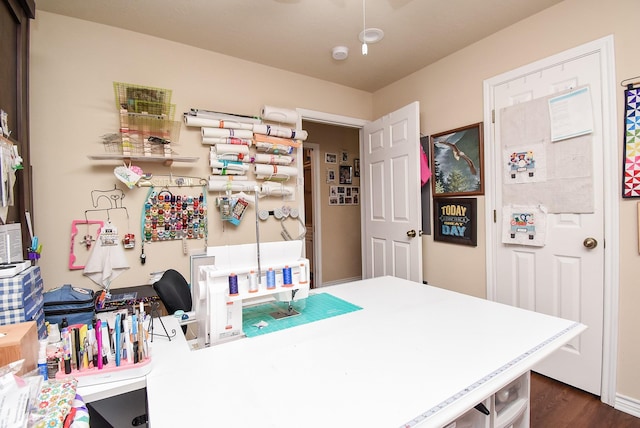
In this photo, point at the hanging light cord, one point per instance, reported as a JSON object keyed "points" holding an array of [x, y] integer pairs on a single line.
{"points": [[364, 28]]}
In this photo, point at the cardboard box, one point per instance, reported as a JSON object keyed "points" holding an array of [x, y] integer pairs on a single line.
{"points": [[18, 341]]}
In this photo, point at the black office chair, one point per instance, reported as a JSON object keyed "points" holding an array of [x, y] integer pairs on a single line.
{"points": [[174, 292]]}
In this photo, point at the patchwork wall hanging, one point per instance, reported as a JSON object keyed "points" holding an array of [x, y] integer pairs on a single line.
{"points": [[631, 172]]}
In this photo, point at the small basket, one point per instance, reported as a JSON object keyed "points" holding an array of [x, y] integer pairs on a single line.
{"points": [[145, 112], [144, 99]]}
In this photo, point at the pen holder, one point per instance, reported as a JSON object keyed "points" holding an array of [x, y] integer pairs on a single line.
{"points": [[108, 371]]}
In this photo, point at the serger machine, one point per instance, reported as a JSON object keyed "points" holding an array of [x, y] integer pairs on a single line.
{"points": [[243, 275]]}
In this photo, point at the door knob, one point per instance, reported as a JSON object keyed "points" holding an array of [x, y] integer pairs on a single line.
{"points": [[411, 233], [590, 243]]}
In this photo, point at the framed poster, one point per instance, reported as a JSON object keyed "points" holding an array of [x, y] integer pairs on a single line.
{"points": [[346, 174], [457, 162], [455, 221]]}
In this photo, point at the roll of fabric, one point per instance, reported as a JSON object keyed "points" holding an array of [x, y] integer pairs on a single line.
{"points": [[280, 131], [230, 140], [237, 178], [234, 165], [222, 149], [223, 116], [226, 133], [227, 171], [261, 138], [275, 189], [268, 172], [216, 123], [280, 115], [273, 159], [242, 157], [235, 185], [274, 148]]}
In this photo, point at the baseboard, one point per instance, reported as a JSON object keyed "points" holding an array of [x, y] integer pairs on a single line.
{"points": [[339, 281], [628, 405]]}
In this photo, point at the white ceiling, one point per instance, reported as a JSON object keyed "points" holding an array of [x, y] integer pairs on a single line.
{"points": [[298, 35]]}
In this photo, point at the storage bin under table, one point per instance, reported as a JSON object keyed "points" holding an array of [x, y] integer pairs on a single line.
{"points": [[21, 299]]}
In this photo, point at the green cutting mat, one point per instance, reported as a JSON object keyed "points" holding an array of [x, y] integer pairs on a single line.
{"points": [[317, 307]]}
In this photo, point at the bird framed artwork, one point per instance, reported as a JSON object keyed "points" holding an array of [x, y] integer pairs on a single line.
{"points": [[457, 162]]}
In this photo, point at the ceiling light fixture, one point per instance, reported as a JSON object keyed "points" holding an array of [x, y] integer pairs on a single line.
{"points": [[371, 35]]}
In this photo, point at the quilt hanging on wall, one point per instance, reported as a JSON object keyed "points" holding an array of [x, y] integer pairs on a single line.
{"points": [[631, 173]]}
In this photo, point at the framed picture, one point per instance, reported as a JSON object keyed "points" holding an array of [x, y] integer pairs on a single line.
{"points": [[356, 167], [344, 156], [330, 158], [331, 175], [346, 172], [457, 162], [455, 220]]}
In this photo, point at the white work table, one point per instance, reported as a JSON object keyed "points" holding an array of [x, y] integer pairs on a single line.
{"points": [[414, 355]]}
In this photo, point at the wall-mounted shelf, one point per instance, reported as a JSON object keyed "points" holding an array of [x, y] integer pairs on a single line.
{"points": [[166, 160]]}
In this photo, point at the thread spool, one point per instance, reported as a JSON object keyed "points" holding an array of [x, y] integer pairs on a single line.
{"points": [[253, 282], [302, 279], [271, 279], [233, 284], [286, 277]]}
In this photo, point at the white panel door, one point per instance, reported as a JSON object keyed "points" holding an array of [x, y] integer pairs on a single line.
{"points": [[391, 196], [565, 277]]}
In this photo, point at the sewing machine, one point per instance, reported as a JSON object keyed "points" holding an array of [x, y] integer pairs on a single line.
{"points": [[260, 273]]}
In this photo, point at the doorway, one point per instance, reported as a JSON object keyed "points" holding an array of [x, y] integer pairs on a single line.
{"points": [[333, 224], [310, 166]]}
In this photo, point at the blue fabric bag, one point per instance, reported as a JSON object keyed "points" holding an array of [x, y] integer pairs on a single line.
{"points": [[75, 304]]}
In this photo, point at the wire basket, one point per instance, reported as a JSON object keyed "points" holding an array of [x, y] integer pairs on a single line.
{"points": [[144, 99], [147, 127], [145, 134]]}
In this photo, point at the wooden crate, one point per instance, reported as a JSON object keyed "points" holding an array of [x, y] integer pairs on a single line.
{"points": [[18, 341]]}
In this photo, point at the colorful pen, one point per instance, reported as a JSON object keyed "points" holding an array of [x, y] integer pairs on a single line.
{"points": [[99, 341], [117, 340]]}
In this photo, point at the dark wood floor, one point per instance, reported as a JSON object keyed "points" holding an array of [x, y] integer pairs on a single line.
{"points": [[556, 405]]}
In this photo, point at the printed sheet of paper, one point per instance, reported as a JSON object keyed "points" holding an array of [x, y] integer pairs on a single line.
{"points": [[571, 114]]}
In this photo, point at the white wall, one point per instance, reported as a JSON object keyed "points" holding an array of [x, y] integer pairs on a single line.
{"points": [[73, 65]]}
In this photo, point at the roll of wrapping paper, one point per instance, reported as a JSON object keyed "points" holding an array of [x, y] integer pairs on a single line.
{"points": [[261, 138], [229, 140], [231, 185], [273, 159], [280, 131], [280, 115], [275, 189], [274, 148], [222, 149], [226, 133], [235, 165], [274, 172], [215, 123]]}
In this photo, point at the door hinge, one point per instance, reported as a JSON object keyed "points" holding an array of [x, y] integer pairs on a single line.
{"points": [[495, 217], [493, 116]]}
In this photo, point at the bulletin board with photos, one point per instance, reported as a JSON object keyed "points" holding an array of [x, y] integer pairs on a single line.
{"points": [[344, 195]]}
